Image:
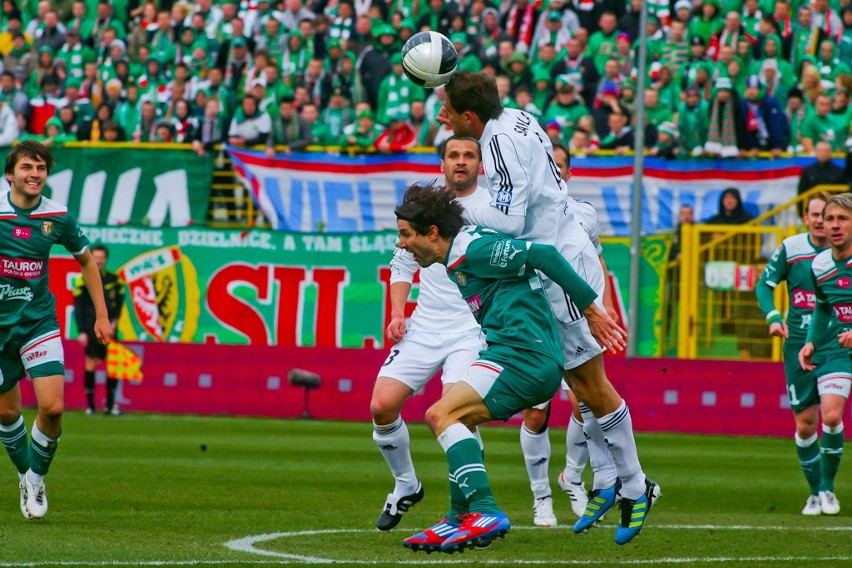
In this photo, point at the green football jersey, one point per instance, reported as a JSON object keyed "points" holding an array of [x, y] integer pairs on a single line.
{"points": [[502, 291], [28, 236], [833, 289], [791, 261]]}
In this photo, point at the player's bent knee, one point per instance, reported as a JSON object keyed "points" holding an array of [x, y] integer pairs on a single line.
{"points": [[52, 410], [535, 420], [385, 411], [8, 416], [832, 418]]}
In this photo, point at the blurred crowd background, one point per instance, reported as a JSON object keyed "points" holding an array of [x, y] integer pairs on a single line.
{"points": [[724, 77]]}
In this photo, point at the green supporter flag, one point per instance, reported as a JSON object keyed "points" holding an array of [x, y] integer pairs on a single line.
{"points": [[118, 186]]}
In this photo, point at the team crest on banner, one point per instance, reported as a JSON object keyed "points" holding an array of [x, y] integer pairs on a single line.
{"points": [[163, 297], [46, 228]]}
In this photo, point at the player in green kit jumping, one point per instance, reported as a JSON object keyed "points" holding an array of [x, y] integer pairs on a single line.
{"points": [[832, 282], [29, 332], [792, 261], [522, 364]]}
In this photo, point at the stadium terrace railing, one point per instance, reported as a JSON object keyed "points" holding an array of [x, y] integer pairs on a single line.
{"points": [[711, 309]]}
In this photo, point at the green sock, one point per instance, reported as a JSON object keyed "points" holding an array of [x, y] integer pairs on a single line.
{"points": [[458, 504], [42, 450], [467, 472], [831, 452], [14, 437], [808, 452]]}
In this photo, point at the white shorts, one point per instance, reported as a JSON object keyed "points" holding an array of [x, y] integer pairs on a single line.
{"points": [[420, 355], [835, 383], [578, 343]]}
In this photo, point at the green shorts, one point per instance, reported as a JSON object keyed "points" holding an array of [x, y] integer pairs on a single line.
{"points": [[510, 380], [33, 347], [804, 387]]}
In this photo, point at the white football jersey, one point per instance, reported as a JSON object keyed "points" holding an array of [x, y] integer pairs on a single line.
{"points": [[523, 178], [440, 307], [476, 201], [587, 217]]}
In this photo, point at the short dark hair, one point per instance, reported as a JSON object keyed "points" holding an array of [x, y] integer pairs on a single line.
{"points": [[464, 139], [474, 92], [425, 206], [561, 146], [102, 248], [29, 149]]}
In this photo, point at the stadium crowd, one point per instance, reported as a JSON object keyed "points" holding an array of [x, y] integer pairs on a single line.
{"points": [[725, 77]]}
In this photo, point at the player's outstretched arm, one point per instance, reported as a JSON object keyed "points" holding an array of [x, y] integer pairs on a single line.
{"points": [[548, 260], [92, 278]]}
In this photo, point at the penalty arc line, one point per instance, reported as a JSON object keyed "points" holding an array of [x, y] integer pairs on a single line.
{"points": [[247, 544]]}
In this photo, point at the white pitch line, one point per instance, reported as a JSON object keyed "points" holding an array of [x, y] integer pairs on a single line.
{"points": [[247, 544]]}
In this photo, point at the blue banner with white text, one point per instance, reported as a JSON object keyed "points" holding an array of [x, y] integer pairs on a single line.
{"points": [[328, 193]]}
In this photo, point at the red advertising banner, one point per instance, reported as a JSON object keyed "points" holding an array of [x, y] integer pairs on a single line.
{"points": [[665, 395]]}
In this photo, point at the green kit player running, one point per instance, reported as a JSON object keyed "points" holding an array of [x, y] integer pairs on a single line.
{"points": [[806, 389], [522, 364], [832, 281], [29, 333]]}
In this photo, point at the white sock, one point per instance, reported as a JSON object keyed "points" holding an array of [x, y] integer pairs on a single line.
{"points": [[393, 442], [478, 435], [536, 448], [617, 427], [577, 451], [34, 477], [600, 458]]}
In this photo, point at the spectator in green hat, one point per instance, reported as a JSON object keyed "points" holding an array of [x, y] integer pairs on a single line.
{"points": [[397, 92], [347, 78], [469, 57], [726, 134], [552, 32], [44, 67], [542, 91], [693, 123], [708, 23], [362, 133], [295, 58], [565, 109], [518, 71], [666, 144], [406, 29]]}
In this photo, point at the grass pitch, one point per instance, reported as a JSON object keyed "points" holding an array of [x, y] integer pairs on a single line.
{"points": [[154, 490]]}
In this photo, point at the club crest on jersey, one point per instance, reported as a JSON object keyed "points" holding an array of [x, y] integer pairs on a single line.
{"points": [[461, 279], [46, 228], [843, 282]]}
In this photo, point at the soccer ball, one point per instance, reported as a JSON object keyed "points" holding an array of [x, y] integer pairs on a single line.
{"points": [[429, 59]]}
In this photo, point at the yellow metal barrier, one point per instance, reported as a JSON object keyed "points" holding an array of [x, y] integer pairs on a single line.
{"points": [[712, 310]]}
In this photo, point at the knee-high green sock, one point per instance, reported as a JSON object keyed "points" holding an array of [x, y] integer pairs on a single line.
{"points": [[14, 438], [467, 471], [808, 452], [42, 450], [831, 451]]}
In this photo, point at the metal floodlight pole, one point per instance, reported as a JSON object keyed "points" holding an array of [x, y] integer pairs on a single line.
{"points": [[638, 166]]}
